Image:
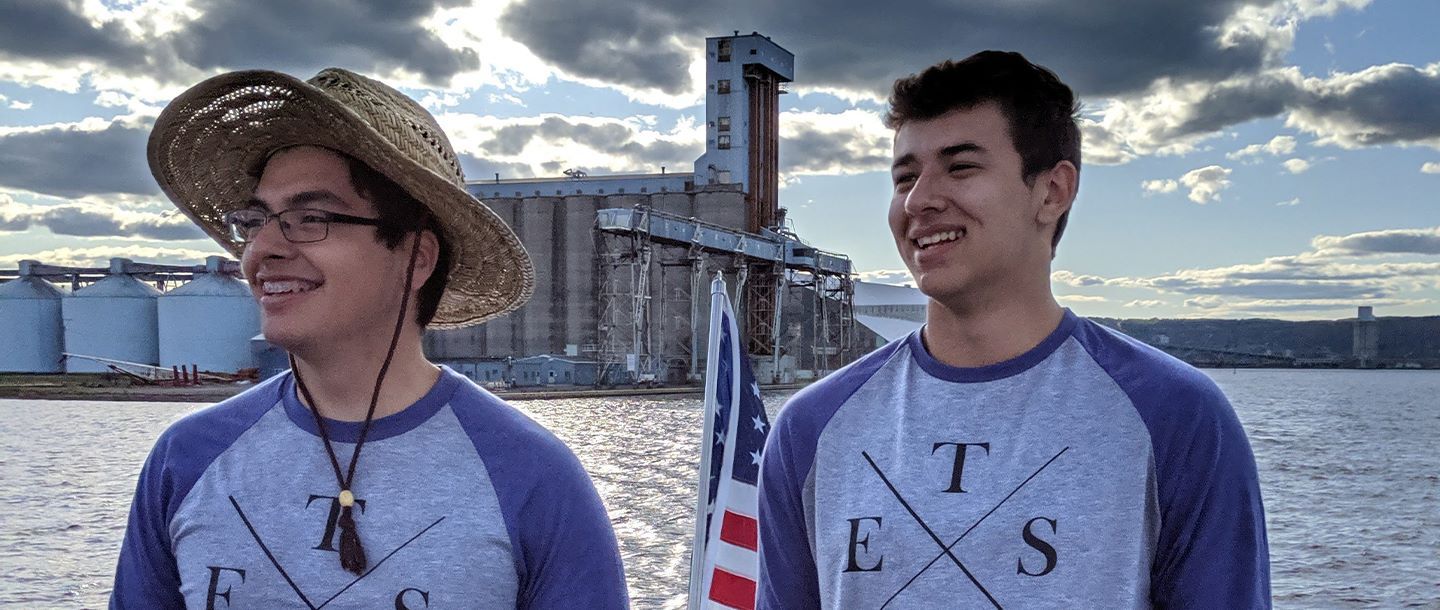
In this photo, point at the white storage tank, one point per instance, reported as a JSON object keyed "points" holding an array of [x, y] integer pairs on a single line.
{"points": [[32, 305], [208, 322], [113, 318]]}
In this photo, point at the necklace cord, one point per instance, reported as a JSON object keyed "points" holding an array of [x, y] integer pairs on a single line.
{"points": [[352, 552]]}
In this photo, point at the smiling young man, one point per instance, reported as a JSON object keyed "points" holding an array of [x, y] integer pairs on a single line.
{"points": [[366, 476], [1009, 453]]}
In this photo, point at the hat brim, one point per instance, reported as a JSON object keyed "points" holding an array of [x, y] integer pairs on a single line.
{"points": [[208, 143]]}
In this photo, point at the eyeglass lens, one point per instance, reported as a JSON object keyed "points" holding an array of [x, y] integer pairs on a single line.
{"points": [[298, 226]]}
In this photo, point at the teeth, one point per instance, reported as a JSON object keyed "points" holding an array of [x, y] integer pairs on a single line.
{"points": [[930, 240], [287, 286]]}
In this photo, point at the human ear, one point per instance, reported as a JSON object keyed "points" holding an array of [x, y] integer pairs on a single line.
{"points": [[1060, 184], [426, 258]]}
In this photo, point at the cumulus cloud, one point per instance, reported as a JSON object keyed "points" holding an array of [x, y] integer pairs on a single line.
{"points": [[373, 35], [812, 143], [862, 46], [1206, 183], [99, 256], [848, 142], [1391, 241], [1081, 298], [1430, 167], [1278, 145], [1161, 186], [1145, 303], [1336, 273], [1296, 166], [93, 220], [547, 144], [60, 31], [1377, 105], [75, 159], [896, 277], [172, 43], [1371, 107], [1071, 278]]}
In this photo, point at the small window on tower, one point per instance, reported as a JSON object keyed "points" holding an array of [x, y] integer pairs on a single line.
{"points": [[722, 123], [722, 86], [723, 50], [722, 141]]}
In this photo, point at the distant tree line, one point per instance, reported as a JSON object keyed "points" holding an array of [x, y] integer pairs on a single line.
{"points": [[1401, 338]]}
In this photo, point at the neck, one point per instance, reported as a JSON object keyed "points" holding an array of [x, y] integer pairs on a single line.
{"points": [[972, 332], [342, 381]]}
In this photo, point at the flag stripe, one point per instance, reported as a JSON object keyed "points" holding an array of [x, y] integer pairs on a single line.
{"points": [[733, 590], [739, 530], [736, 560]]}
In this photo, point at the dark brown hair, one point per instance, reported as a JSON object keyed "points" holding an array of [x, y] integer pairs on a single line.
{"points": [[400, 213], [1041, 110]]}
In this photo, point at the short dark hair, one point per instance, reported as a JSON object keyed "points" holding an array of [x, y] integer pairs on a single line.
{"points": [[400, 214], [1040, 109]]}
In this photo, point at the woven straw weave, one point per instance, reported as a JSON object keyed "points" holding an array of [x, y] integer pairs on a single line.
{"points": [[210, 143]]}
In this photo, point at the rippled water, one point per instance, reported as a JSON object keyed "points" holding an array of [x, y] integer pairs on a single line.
{"points": [[1349, 463]]}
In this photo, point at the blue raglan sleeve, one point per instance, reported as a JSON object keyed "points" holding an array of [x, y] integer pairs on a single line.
{"points": [[1212, 551], [788, 579], [146, 575], [565, 551], [570, 554]]}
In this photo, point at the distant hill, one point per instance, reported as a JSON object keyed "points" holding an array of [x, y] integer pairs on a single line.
{"points": [[1401, 338]]}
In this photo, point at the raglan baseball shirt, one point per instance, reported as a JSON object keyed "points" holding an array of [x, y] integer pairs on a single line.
{"points": [[1091, 472], [461, 502]]}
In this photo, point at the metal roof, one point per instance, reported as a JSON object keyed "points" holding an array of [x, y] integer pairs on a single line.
{"points": [[889, 329], [117, 286], [211, 285], [29, 287], [871, 293]]}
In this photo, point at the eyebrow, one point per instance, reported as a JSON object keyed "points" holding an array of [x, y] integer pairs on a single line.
{"points": [[301, 198], [948, 151]]}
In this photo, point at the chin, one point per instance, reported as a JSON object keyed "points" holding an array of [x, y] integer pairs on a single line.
{"points": [[941, 286], [288, 337]]}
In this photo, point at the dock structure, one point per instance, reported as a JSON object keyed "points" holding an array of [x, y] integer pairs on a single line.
{"points": [[682, 254], [622, 261]]}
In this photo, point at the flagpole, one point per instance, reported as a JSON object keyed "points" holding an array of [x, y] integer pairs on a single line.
{"points": [[712, 362]]}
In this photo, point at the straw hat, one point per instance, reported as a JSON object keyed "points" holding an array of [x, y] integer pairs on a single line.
{"points": [[209, 143]]}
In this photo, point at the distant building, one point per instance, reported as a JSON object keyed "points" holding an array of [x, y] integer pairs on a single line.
{"points": [[553, 370], [890, 301], [1366, 345], [886, 312]]}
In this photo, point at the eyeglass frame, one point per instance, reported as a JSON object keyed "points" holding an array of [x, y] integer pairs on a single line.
{"points": [[330, 217]]}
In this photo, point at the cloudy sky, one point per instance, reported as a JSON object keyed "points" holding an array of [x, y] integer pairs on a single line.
{"points": [[1274, 158]]}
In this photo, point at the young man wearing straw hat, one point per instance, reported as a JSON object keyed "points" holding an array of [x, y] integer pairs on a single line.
{"points": [[1009, 453], [366, 476]]}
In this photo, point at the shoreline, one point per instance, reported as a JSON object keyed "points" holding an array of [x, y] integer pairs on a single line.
{"points": [[107, 388]]}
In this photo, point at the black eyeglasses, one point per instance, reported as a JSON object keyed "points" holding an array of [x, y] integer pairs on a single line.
{"points": [[300, 226]]}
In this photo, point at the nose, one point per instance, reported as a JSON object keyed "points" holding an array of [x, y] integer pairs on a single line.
{"points": [[925, 195], [269, 242]]}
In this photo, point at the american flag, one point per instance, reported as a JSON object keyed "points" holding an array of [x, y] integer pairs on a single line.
{"points": [[729, 541]]}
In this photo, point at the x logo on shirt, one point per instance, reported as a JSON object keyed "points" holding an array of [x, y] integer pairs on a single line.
{"points": [[945, 549], [309, 604]]}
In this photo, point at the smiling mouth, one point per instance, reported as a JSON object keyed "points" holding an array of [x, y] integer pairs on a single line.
{"points": [[935, 239], [278, 287]]}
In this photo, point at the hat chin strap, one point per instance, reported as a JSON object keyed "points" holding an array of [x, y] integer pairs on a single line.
{"points": [[352, 552]]}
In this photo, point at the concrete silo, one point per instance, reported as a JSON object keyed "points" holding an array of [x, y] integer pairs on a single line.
{"points": [[208, 322], [113, 318], [31, 306]]}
